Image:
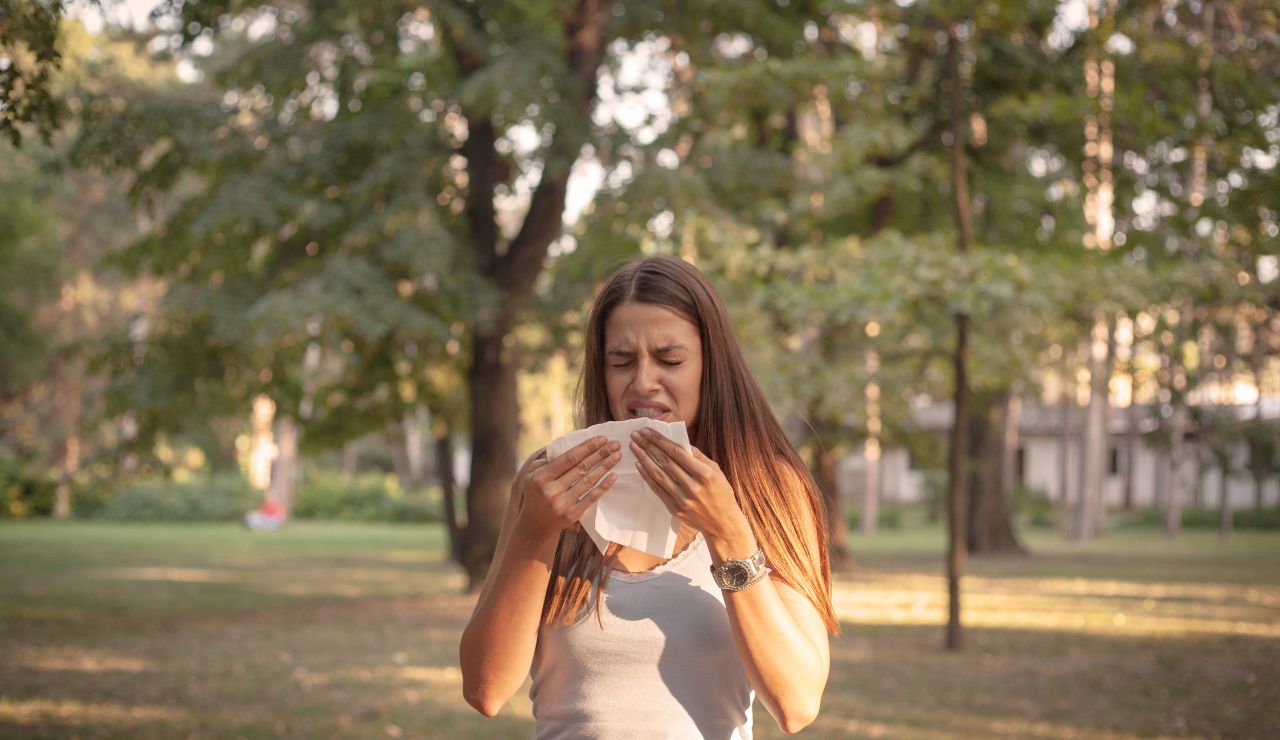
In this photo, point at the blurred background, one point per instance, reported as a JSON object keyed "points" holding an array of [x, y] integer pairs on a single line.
{"points": [[1007, 271]]}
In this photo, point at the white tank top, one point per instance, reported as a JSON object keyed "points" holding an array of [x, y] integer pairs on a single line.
{"points": [[664, 666]]}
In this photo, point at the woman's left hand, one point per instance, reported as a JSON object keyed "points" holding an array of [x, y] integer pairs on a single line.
{"points": [[690, 484]]}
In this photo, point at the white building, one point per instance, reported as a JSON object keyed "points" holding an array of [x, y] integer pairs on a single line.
{"points": [[1040, 463]]}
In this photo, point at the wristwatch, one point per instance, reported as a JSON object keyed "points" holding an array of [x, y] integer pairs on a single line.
{"points": [[736, 575]]}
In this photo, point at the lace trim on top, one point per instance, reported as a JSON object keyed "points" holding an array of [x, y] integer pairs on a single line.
{"points": [[694, 545]]}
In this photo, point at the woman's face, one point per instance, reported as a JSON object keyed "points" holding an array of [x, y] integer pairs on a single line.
{"points": [[653, 364]]}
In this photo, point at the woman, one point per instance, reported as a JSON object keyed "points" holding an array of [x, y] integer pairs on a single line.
{"points": [[624, 644]]}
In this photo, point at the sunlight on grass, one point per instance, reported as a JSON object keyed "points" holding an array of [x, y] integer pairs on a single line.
{"points": [[1080, 605], [177, 575], [79, 661], [67, 711]]}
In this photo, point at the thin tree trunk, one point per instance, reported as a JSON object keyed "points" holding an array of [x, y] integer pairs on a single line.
{"points": [[1224, 506], [448, 490], [69, 450], [285, 471], [1173, 491], [871, 449], [1094, 444], [958, 454], [869, 523], [415, 424], [1131, 445], [397, 444], [1064, 449]]}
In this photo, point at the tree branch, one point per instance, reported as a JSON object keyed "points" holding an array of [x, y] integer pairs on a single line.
{"points": [[585, 30]]}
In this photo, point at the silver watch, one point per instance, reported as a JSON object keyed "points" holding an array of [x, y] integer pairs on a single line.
{"points": [[736, 575]]}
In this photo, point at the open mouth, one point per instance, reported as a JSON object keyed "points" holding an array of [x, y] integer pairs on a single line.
{"points": [[648, 412]]}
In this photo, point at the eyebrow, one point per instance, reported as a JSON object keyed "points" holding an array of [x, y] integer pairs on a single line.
{"points": [[663, 350]]}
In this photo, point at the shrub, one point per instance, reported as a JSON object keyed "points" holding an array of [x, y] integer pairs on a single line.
{"points": [[25, 489], [1033, 504], [890, 518], [1207, 519], [365, 498], [221, 498]]}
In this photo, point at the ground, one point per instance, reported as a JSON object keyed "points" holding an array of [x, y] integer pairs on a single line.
{"points": [[346, 630]]}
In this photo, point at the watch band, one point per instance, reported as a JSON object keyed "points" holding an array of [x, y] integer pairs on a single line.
{"points": [[737, 575]]}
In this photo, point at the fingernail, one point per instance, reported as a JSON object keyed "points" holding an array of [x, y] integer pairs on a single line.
{"points": [[614, 445]]}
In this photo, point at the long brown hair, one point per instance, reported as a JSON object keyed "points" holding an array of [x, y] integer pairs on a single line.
{"points": [[735, 427]]}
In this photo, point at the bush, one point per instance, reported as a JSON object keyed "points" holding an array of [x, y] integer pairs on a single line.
{"points": [[890, 518], [1034, 505], [1207, 519], [223, 498], [365, 498], [25, 489]]}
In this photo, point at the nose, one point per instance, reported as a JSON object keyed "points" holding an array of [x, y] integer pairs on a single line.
{"points": [[646, 378]]}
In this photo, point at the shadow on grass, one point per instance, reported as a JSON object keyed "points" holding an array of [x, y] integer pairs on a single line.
{"points": [[895, 680]]}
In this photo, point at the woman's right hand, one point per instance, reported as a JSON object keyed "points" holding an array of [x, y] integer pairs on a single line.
{"points": [[555, 494]]}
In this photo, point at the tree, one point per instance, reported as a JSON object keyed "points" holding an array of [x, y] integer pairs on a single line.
{"points": [[29, 58]]}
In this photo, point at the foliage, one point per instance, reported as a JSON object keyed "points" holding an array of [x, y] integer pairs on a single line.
{"points": [[223, 498], [26, 490], [890, 517], [28, 267], [29, 57], [1034, 506], [1192, 518], [366, 498]]}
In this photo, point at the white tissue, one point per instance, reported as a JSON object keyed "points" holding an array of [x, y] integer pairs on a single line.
{"points": [[630, 514]]}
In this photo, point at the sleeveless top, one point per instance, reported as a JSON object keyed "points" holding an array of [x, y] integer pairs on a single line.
{"points": [[664, 666]]}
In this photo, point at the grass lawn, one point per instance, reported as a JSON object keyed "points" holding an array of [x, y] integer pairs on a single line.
{"points": [[348, 630]]}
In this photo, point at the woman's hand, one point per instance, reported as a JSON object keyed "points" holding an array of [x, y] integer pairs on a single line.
{"points": [[554, 495], [691, 485]]}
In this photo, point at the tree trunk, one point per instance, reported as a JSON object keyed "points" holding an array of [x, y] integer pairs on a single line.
{"points": [[1197, 490], [869, 523], [957, 453], [514, 270], [495, 421], [1173, 491], [1064, 444], [397, 444], [871, 449], [990, 513], [449, 493], [1091, 505], [824, 474], [69, 449], [1131, 446], [1224, 505], [285, 471]]}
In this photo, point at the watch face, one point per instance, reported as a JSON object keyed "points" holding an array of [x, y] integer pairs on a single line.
{"points": [[737, 574]]}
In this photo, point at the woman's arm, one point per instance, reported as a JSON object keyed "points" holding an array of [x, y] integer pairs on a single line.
{"points": [[781, 638], [498, 642]]}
